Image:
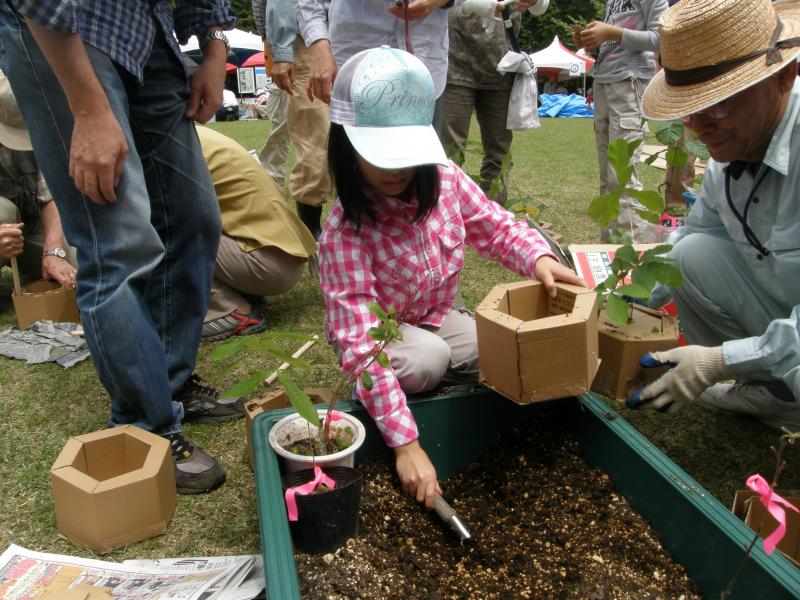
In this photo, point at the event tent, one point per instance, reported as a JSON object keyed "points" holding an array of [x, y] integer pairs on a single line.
{"points": [[557, 60], [243, 44]]}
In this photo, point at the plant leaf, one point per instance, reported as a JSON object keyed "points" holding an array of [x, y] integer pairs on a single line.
{"points": [[669, 132], [634, 290], [619, 156], [366, 379], [697, 148], [377, 333], [652, 158], [627, 255], [377, 310], [383, 360], [617, 310], [657, 251], [605, 208], [230, 348], [299, 399], [609, 283], [676, 157], [247, 386], [652, 200]]}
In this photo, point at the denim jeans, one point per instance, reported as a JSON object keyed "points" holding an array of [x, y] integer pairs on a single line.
{"points": [[145, 263]]}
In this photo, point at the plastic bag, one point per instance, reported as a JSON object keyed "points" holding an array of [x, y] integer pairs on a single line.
{"points": [[523, 110]]}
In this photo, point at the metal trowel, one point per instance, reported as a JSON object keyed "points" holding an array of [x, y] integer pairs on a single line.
{"points": [[449, 516]]}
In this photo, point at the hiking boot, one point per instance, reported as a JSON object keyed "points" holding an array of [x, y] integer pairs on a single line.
{"points": [[234, 323], [195, 471], [202, 404], [771, 402]]}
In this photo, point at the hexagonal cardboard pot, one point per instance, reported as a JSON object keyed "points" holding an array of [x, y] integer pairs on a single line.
{"points": [[622, 346], [534, 348], [113, 487]]}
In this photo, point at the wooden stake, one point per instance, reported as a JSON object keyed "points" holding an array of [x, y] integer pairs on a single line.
{"points": [[298, 354], [15, 276]]}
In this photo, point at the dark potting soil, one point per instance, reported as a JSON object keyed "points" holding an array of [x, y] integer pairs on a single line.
{"points": [[546, 525]]}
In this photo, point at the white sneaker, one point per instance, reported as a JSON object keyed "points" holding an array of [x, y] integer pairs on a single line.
{"points": [[770, 403]]}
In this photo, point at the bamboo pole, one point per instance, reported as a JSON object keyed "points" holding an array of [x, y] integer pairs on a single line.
{"points": [[300, 351], [15, 276]]}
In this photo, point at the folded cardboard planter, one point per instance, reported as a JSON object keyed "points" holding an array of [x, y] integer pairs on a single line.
{"points": [[622, 346], [747, 507], [272, 401], [45, 300], [113, 487], [700, 533], [533, 347]]}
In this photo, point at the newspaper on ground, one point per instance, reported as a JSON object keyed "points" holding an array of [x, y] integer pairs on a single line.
{"points": [[29, 575]]}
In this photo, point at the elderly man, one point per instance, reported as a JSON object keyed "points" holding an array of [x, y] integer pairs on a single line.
{"points": [[739, 252]]}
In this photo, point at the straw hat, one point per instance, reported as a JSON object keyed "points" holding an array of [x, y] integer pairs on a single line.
{"points": [[12, 128], [713, 49]]}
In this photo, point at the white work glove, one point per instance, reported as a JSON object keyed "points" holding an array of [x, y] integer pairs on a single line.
{"points": [[481, 8], [694, 368]]}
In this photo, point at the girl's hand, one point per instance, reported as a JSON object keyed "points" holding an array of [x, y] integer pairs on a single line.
{"points": [[598, 32], [417, 474], [548, 271]]}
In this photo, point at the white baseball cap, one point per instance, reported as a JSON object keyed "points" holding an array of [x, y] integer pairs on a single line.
{"points": [[384, 98], [13, 134]]}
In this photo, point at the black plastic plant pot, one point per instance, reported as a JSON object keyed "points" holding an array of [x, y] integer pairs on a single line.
{"points": [[325, 520]]}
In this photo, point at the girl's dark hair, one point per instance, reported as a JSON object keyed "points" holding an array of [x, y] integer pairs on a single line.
{"points": [[349, 185]]}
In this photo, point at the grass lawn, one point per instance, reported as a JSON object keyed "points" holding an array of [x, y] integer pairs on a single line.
{"points": [[42, 405]]}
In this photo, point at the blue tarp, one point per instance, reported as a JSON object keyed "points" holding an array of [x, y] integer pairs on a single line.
{"points": [[567, 107]]}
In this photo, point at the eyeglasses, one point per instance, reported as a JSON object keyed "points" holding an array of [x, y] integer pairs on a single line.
{"points": [[716, 111]]}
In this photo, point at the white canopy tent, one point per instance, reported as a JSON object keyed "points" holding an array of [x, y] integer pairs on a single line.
{"points": [[562, 62], [237, 38]]}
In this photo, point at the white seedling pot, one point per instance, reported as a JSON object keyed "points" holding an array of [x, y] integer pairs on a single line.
{"points": [[292, 428]]}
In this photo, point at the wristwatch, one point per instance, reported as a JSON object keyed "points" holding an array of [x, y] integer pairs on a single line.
{"points": [[216, 35], [59, 252]]}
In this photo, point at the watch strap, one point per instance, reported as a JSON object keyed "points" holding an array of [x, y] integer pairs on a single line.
{"points": [[59, 252]]}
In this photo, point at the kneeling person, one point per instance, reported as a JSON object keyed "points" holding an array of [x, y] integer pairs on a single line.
{"points": [[264, 245]]}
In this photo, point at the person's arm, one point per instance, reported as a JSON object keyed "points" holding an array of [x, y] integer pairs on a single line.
{"points": [[98, 147], [312, 21], [497, 235], [54, 267], [647, 40], [347, 285], [281, 34]]}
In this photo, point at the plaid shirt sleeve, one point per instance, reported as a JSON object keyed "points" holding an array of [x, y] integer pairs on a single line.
{"points": [[348, 284], [491, 229], [193, 17], [57, 15]]}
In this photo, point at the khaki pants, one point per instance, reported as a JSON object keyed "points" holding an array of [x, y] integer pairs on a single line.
{"points": [[275, 152], [30, 261], [309, 181], [491, 109], [264, 272]]}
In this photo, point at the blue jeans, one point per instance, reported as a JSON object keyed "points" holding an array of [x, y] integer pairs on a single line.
{"points": [[145, 263]]}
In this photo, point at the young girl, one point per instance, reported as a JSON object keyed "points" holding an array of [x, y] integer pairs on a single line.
{"points": [[396, 236]]}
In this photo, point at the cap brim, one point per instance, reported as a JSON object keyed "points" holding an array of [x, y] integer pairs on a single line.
{"points": [[15, 138], [397, 147], [662, 101]]}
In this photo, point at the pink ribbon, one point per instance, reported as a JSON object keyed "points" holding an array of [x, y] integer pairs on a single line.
{"points": [[305, 490], [334, 415], [771, 500]]}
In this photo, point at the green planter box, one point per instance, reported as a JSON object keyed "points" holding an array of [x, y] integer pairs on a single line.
{"points": [[700, 533]]}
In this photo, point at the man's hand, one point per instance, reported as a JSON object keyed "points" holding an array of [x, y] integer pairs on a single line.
{"points": [[548, 271], [694, 368], [418, 9], [597, 32], [417, 474], [283, 76], [11, 240], [58, 270], [207, 83], [323, 71], [97, 154]]}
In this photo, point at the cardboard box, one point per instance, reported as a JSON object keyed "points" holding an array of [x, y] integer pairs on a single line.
{"points": [[272, 401], [747, 507], [113, 487], [621, 348], [533, 347], [45, 300]]}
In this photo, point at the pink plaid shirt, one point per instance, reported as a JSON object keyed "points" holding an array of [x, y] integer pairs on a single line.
{"points": [[415, 268]]}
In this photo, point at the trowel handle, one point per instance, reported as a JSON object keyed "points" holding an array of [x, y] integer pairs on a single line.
{"points": [[442, 508], [15, 276]]}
